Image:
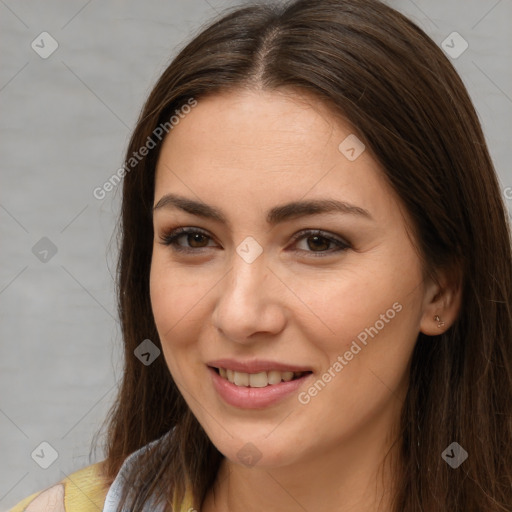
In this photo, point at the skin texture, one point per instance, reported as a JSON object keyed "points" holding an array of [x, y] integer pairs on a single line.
{"points": [[299, 302]]}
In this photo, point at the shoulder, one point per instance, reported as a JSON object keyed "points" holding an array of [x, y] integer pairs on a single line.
{"points": [[82, 491]]}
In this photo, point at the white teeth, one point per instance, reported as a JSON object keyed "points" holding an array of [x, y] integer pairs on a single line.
{"points": [[274, 377], [257, 380], [287, 376], [241, 379]]}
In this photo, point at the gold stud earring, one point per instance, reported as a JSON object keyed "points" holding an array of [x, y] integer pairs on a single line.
{"points": [[440, 323]]}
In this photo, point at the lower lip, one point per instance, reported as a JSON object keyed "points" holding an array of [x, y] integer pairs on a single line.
{"points": [[254, 398]]}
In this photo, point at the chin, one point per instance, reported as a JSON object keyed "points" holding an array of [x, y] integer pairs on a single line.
{"points": [[256, 448]]}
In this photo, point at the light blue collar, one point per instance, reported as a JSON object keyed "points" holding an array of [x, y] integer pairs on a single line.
{"points": [[114, 493]]}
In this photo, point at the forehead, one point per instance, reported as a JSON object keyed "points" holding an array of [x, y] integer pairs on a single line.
{"points": [[241, 120], [264, 147]]}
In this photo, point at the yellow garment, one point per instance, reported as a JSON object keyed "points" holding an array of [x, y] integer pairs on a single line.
{"points": [[81, 491]]}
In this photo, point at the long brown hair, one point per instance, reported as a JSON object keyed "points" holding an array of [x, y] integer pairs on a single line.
{"points": [[378, 70]]}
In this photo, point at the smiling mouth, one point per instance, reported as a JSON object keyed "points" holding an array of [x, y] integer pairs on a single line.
{"points": [[260, 379]]}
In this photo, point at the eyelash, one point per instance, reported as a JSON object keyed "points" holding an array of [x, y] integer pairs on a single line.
{"points": [[170, 239]]}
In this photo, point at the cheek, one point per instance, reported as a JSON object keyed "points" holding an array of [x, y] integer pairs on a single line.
{"points": [[365, 361], [169, 306], [175, 295], [343, 305], [171, 301], [179, 301], [365, 324]]}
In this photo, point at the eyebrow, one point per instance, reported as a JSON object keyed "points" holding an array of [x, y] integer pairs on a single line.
{"points": [[276, 215]]}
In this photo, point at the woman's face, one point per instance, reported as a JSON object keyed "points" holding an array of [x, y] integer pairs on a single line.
{"points": [[297, 260]]}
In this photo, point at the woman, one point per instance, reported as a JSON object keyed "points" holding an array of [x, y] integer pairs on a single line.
{"points": [[315, 279]]}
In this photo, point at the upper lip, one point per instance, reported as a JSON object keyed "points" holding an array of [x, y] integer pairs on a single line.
{"points": [[256, 366]]}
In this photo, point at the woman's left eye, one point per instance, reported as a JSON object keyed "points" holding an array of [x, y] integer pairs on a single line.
{"points": [[317, 241]]}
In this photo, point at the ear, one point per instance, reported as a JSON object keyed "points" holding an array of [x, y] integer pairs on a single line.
{"points": [[443, 299]]}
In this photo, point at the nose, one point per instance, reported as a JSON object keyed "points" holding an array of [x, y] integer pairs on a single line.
{"points": [[249, 304]]}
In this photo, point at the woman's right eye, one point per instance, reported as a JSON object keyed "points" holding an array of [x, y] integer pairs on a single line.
{"points": [[192, 236]]}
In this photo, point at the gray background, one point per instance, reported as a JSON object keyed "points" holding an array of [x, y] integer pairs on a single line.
{"points": [[65, 123]]}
